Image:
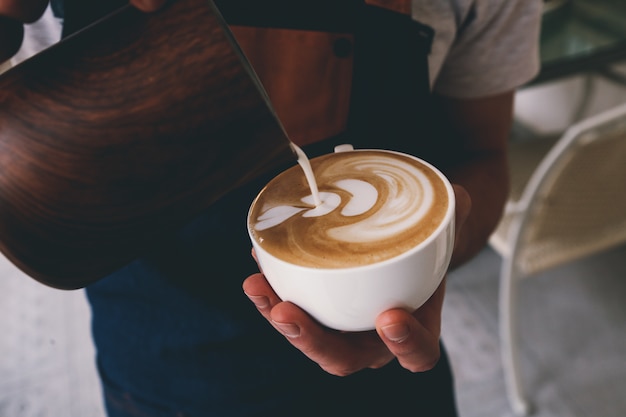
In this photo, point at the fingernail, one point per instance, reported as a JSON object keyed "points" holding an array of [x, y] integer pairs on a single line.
{"points": [[259, 301], [396, 332], [289, 330]]}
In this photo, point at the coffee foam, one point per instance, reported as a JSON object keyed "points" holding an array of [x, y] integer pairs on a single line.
{"points": [[374, 206]]}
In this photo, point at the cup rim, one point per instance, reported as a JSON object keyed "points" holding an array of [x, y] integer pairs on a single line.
{"points": [[443, 225]]}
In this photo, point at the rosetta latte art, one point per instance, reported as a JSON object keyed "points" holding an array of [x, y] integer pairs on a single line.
{"points": [[374, 206], [398, 212]]}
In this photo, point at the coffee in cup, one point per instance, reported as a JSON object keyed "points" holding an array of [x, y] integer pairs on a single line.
{"points": [[345, 246]]}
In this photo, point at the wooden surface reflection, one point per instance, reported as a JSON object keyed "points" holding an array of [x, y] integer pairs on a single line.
{"points": [[123, 132]]}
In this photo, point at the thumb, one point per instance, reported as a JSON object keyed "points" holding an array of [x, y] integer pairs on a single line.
{"points": [[415, 347]]}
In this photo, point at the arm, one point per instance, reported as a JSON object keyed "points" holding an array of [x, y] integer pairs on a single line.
{"points": [[479, 170], [480, 173]]}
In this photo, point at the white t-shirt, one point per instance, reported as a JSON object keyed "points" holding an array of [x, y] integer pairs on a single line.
{"points": [[38, 36], [481, 47]]}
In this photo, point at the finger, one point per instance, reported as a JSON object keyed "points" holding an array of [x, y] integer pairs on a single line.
{"points": [[338, 353], [148, 5], [414, 338], [463, 204], [261, 294], [429, 314], [256, 259], [463, 207], [415, 346]]}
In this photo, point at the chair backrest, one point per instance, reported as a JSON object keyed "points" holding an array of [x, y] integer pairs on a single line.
{"points": [[576, 198]]}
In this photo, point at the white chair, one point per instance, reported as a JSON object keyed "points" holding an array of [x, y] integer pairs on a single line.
{"points": [[568, 200]]}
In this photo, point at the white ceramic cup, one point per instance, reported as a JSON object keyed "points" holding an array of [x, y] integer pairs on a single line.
{"points": [[350, 299]]}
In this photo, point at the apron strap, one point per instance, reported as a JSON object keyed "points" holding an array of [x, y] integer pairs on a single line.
{"points": [[391, 85], [336, 16]]}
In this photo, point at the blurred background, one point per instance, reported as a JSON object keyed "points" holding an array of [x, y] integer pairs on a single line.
{"points": [[571, 317]]}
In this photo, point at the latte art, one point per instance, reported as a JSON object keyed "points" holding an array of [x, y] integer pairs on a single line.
{"points": [[375, 205]]}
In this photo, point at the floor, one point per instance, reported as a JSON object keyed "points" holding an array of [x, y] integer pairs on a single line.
{"points": [[573, 342], [573, 338], [46, 354]]}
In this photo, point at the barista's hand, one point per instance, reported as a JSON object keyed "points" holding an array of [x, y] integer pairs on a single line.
{"points": [[411, 338], [14, 13]]}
